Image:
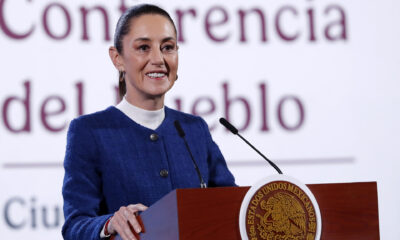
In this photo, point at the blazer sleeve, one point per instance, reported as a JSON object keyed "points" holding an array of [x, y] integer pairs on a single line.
{"points": [[82, 186], [219, 174]]}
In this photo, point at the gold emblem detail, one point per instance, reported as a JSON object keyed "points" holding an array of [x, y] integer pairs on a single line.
{"points": [[280, 211]]}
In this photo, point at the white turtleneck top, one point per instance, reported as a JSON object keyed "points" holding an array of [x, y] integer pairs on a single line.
{"points": [[146, 118]]}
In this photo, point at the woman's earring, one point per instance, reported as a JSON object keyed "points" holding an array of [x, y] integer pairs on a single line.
{"points": [[121, 76], [176, 77]]}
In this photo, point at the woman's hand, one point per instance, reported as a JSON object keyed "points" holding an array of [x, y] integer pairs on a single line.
{"points": [[124, 218]]}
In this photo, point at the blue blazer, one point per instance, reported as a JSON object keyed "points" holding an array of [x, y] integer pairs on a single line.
{"points": [[111, 161]]}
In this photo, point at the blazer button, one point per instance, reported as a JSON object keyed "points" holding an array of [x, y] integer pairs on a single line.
{"points": [[153, 137], [164, 173]]}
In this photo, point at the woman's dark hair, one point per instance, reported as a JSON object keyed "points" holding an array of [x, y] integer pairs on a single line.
{"points": [[123, 27]]}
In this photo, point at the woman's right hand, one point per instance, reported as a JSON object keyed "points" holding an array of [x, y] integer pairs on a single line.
{"points": [[124, 217]]}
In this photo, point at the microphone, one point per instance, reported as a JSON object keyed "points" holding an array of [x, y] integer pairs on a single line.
{"points": [[231, 128], [181, 134]]}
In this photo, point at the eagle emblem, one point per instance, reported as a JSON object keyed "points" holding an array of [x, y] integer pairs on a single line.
{"points": [[284, 218], [283, 209]]}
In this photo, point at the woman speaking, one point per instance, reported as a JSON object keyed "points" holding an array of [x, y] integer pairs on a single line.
{"points": [[124, 158]]}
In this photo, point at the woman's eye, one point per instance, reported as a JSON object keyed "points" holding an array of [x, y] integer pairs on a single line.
{"points": [[143, 48], [168, 47]]}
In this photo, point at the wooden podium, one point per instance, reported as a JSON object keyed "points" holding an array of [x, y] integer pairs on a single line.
{"points": [[348, 211]]}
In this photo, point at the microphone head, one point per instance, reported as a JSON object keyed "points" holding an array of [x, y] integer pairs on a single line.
{"points": [[179, 128], [228, 125]]}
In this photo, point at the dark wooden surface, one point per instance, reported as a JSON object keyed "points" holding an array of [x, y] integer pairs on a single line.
{"points": [[219, 207], [348, 210]]}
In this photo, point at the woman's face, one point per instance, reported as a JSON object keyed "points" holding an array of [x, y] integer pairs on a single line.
{"points": [[149, 58]]}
